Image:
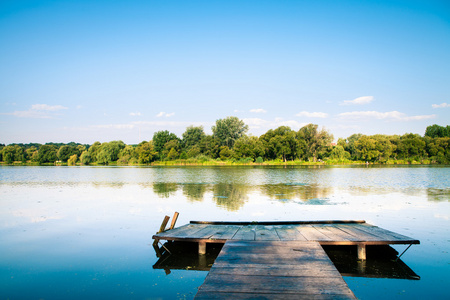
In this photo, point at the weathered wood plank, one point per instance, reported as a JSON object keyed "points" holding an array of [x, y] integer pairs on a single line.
{"points": [[182, 231], [311, 233], [344, 233], [246, 233], [207, 232], [318, 269], [266, 233], [356, 234], [385, 233], [289, 233], [281, 284], [298, 269], [333, 233], [225, 232]]}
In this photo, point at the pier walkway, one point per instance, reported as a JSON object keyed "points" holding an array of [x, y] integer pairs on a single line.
{"points": [[273, 270]]}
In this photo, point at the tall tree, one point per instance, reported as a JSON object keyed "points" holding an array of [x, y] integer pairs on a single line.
{"points": [[437, 131], [228, 130], [160, 139], [280, 143], [47, 154], [192, 136], [316, 140]]}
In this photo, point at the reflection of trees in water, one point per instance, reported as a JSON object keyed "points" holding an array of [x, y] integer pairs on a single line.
{"points": [[438, 195], [194, 191], [164, 189], [302, 192], [230, 196], [117, 185]]}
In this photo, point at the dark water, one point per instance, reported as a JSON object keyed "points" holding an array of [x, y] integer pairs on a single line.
{"points": [[85, 232]]}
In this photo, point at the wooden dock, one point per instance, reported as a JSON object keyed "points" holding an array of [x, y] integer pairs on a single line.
{"points": [[277, 260], [273, 270], [357, 233]]}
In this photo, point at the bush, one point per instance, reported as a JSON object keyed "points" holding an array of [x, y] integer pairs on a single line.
{"points": [[259, 160]]}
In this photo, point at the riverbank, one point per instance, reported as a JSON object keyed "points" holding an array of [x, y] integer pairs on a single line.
{"points": [[194, 162]]}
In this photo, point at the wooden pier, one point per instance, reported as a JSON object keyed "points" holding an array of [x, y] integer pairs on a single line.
{"points": [[277, 260], [273, 270]]}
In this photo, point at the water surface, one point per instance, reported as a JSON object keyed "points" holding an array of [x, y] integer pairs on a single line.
{"points": [[85, 232]]}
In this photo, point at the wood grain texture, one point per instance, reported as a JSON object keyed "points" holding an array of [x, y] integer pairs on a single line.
{"points": [[273, 270]]}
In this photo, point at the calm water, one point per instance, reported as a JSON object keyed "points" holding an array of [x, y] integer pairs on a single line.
{"points": [[85, 232]]}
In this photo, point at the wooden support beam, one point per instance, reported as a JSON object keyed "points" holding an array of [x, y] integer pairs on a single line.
{"points": [[174, 220], [202, 248], [163, 224], [362, 251]]}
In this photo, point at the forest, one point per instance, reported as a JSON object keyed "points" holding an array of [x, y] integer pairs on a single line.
{"points": [[230, 144]]}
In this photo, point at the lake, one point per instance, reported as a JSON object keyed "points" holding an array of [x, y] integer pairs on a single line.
{"points": [[86, 232]]}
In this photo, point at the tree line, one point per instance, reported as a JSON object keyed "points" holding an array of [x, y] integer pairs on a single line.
{"points": [[229, 142]]}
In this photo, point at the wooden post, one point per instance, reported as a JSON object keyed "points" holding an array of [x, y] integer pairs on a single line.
{"points": [[174, 220], [163, 224], [202, 248], [362, 251]]}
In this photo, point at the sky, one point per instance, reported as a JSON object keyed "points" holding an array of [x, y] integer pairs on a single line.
{"points": [[87, 71]]}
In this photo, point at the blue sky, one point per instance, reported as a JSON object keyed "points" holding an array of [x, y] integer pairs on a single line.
{"points": [[89, 71]]}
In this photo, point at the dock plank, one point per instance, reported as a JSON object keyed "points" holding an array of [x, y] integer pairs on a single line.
{"points": [[311, 233], [245, 233], [289, 233], [271, 269], [266, 233]]}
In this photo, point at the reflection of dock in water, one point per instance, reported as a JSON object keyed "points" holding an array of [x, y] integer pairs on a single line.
{"points": [[283, 259]]}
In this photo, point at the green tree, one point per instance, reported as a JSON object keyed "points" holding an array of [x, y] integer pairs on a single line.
{"points": [[47, 154], [248, 147], [435, 131], [338, 152], [160, 139], [280, 143], [172, 144], [366, 148], [31, 153], [316, 140], [65, 152], [93, 151], [192, 136], [411, 147], [8, 154], [72, 160], [228, 130], [193, 151], [209, 146], [225, 153], [146, 152], [109, 152], [85, 158]]}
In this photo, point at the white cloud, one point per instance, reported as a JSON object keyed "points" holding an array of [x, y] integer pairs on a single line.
{"points": [[164, 114], [46, 107], [135, 114], [442, 105], [312, 114], [358, 101], [38, 111], [258, 111], [391, 115]]}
